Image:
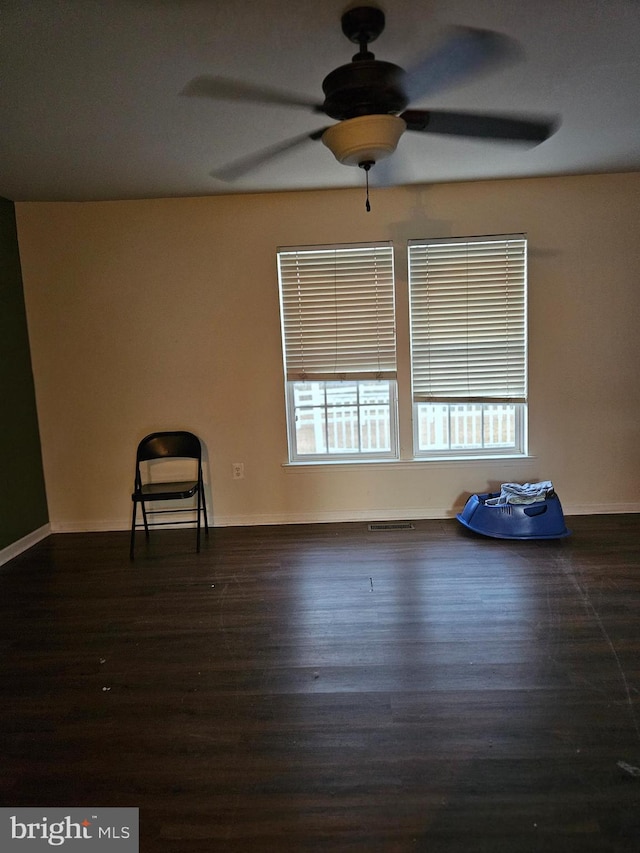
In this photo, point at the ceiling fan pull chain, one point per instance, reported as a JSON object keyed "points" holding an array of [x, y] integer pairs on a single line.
{"points": [[366, 165]]}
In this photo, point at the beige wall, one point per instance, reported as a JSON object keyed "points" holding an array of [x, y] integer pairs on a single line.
{"points": [[164, 314]]}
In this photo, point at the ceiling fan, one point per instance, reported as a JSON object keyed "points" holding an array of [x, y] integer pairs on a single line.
{"points": [[370, 98]]}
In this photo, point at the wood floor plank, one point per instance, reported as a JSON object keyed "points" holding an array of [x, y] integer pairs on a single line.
{"points": [[330, 688]]}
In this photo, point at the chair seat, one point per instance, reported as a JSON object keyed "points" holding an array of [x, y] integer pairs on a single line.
{"points": [[166, 491]]}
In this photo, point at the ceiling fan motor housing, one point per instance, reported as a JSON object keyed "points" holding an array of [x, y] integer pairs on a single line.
{"points": [[364, 87]]}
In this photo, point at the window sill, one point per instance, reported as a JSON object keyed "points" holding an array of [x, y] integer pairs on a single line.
{"points": [[402, 464]]}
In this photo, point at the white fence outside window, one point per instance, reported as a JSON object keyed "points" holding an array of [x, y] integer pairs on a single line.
{"points": [[354, 417], [469, 426], [342, 417]]}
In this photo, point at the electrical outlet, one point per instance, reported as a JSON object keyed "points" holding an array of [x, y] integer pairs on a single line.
{"points": [[238, 470]]}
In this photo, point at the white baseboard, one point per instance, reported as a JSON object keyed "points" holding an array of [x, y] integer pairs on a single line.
{"points": [[22, 545], [256, 520], [407, 514], [326, 517], [600, 509], [102, 526], [88, 526]]}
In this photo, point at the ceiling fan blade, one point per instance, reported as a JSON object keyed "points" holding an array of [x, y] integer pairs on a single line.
{"points": [[464, 52], [223, 89], [479, 125], [241, 166]]}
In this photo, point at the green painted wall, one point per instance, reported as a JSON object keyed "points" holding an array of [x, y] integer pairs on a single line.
{"points": [[23, 502]]}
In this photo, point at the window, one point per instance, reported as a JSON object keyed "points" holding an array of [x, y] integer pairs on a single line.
{"points": [[338, 328], [467, 360], [468, 346]]}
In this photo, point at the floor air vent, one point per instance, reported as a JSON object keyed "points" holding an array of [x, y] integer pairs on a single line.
{"points": [[392, 525]]}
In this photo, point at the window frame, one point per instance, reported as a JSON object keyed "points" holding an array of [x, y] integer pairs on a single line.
{"points": [[404, 378], [454, 398], [368, 326]]}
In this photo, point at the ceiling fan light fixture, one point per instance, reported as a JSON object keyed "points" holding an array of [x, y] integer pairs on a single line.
{"points": [[364, 139]]}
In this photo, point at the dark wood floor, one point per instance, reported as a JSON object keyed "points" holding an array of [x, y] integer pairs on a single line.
{"points": [[327, 688]]}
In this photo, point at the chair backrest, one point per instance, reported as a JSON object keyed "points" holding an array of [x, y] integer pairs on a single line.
{"points": [[177, 443]]}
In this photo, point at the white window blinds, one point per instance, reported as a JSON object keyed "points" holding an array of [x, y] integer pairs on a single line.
{"points": [[468, 319], [338, 314]]}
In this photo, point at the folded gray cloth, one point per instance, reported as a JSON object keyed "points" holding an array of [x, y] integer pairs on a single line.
{"points": [[525, 493]]}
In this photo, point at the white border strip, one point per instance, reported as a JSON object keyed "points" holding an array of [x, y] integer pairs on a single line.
{"points": [[24, 544], [322, 517]]}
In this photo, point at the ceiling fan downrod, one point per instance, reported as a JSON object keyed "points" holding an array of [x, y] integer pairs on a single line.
{"points": [[362, 25]]}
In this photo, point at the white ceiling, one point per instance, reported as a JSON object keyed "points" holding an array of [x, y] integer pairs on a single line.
{"points": [[91, 104]]}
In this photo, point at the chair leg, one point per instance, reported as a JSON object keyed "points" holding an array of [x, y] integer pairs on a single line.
{"points": [[133, 530], [198, 522], [144, 518], [204, 510]]}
